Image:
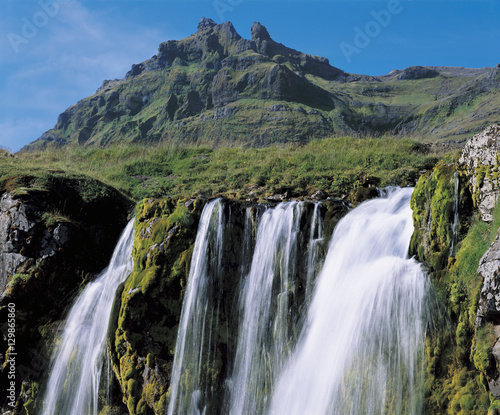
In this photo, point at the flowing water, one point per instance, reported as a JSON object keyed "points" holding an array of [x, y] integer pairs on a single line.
{"points": [[362, 348], [197, 335], [297, 337], [456, 217], [264, 302], [357, 345], [73, 385]]}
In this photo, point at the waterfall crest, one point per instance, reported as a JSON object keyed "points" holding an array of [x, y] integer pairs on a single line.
{"points": [[77, 363], [346, 337]]}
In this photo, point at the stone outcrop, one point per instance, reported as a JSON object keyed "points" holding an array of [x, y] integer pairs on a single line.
{"points": [[56, 233], [14, 224], [489, 270], [481, 161]]}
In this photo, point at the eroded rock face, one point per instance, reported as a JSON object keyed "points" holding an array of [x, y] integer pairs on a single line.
{"points": [[489, 269], [481, 158], [15, 231]]}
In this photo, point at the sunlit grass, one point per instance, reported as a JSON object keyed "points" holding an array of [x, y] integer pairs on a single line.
{"points": [[334, 165]]}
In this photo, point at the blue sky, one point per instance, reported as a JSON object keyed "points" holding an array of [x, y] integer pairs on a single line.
{"points": [[56, 52]]}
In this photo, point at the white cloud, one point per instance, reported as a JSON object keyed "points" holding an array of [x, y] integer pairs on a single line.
{"points": [[67, 61]]}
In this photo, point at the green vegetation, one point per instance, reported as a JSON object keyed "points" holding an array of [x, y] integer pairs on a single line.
{"points": [[147, 309], [334, 165], [459, 360]]}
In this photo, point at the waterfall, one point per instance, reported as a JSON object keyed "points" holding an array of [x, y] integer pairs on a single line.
{"points": [[77, 363], [346, 337], [315, 239], [456, 217], [263, 334], [197, 335], [361, 350]]}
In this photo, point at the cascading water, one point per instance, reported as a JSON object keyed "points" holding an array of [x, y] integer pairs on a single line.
{"points": [[78, 361], [347, 341], [197, 335], [362, 348], [315, 240], [264, 302], [456, 216]]}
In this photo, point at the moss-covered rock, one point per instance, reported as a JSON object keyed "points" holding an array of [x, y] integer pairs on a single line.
{"points": [[459, 359], [144, 324]]}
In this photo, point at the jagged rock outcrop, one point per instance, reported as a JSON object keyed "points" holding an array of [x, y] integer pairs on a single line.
{"points": [[14, 224], [417, 72], [489, 299], [481, 161], [178, 93], [22, 242]]}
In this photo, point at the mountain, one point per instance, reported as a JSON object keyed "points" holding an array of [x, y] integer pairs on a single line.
{"points": [[215, 86]]}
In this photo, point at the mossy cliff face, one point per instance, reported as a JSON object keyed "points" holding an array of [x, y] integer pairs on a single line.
{"points": [[460, 363], [56, 234], [145, 319]]}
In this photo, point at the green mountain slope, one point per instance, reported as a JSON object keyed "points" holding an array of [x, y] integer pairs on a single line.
{"points": [[217, 87]]}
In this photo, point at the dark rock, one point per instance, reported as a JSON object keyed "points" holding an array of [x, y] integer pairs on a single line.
{"points": [[319, 195], [417, 72], [191, 106], [135, 70], [171, 106], [206, 24]]}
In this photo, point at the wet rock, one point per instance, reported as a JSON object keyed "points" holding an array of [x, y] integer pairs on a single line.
{"points": [[319, 195]]}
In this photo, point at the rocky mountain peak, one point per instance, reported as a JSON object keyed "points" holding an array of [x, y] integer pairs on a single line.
{"points": [[208, 27], [206, 23], [259, 33]]}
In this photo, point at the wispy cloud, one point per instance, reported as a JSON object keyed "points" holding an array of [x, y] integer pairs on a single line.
{"points": [[67, 61]]}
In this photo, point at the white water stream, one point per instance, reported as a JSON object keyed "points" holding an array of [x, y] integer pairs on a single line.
{"points": [[78, 360], [362, 348]]}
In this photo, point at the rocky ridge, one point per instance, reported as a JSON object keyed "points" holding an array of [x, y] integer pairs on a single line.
{"points": [[216, 86]]}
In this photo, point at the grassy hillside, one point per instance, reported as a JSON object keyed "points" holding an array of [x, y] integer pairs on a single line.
{"points": [[334, 165]]}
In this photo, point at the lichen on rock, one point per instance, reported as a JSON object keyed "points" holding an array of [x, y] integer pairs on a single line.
{"points": [[481, 161]]}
